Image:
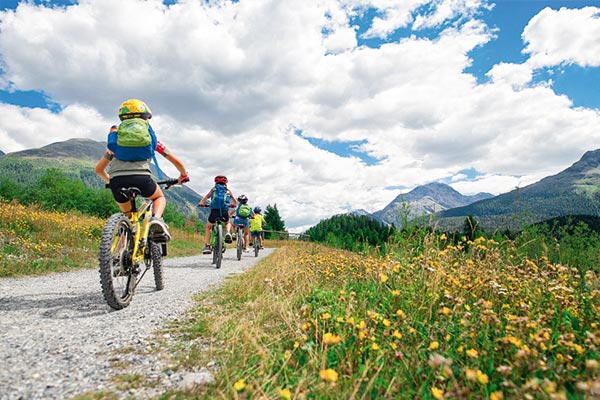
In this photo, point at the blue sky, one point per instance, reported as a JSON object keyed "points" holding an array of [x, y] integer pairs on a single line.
{"points": [[333, 104]]}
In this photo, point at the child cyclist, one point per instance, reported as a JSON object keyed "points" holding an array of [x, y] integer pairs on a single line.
{"points": [[257, 223], [221, 199], [241, 216], [129, 165]]}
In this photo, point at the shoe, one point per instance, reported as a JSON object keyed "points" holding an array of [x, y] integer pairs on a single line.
{"points": [[228, 238], [261, 247], [246, 250], [159, 231], [206, 250], [233, 236]]}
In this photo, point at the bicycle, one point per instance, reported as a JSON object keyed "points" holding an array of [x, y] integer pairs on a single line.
{"points": [[239, 229], [126, 243], [217, 239], [256, 242]]}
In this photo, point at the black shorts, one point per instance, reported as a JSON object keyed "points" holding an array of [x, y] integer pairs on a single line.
{"points": [[215, 213], [143, 182]]}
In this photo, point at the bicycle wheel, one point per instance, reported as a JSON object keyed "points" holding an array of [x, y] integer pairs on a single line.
{"points": [[256, 246], [157, 265], [116, 268], [240, 243], [219, 246], [213, 244]]}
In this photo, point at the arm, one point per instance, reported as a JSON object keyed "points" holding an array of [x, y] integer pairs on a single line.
{"points": [[233, 200], [173, 159], [100, 169], [205, 198]]}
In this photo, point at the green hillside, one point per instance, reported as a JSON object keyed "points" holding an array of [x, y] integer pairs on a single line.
{"points": [[574, 191], [76, 159]]}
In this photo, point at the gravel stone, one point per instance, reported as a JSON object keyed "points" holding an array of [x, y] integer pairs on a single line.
{"points": [[59, 338]]}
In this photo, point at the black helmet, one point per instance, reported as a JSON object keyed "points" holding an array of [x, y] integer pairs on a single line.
{"points": [[257, 210], [243, 199]]}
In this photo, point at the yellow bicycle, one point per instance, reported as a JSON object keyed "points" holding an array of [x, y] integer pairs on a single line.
{"points": [[128, 250]]}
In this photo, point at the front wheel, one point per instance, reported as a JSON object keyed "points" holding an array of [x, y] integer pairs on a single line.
{"points": [[117, 275], [256, 246]]}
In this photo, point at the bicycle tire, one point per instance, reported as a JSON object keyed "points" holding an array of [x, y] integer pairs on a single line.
{"points": [[213, 244], [157, 265], [219, 246], [240, 243], [117, 276], [256, 246]]}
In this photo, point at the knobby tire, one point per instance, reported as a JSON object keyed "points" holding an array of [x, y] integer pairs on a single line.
{"points": [[116, 270], [240, 243], [157, 265], [219, 246], [256, 246]]}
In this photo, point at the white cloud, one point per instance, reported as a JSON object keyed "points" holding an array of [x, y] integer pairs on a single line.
{"points": [[229, 83], [561, 36]]}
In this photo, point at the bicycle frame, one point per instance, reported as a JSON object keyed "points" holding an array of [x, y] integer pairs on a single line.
{"points": [[139, 218]]}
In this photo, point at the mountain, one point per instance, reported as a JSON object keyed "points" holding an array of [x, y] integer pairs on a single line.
{"points": [[574, 191], [76, 158], [422, 201]]}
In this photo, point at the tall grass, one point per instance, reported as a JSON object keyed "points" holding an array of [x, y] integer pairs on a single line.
{"points": [[34, 241], [433, 319]]}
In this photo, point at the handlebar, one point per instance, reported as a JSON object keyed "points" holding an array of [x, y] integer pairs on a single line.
{"points": [[167, 182], [206, 205]]}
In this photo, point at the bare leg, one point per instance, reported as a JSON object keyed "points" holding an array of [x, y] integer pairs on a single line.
{"points": [[209, 227]]}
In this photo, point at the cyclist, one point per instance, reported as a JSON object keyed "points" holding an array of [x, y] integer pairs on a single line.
{"points": [[129, 166], [220, 200], [241, 216], [257, 223]]}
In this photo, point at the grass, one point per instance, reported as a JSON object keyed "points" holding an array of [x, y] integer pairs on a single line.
{"points": [[433, 319], [458, 321], [35, 242]]}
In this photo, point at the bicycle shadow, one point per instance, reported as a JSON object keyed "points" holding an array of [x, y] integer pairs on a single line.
{"points": [[56, 305]]}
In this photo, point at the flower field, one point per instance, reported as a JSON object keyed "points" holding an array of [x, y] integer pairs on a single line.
{"points": [[473, 320], [35, 241]]}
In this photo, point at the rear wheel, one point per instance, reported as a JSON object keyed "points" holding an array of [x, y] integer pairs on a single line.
{"points": [[256, 246], [240, 243], [117, 275], [219, 246], [157, 265]]}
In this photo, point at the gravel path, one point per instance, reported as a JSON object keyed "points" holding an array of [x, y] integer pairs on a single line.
{"points": [[59, 338]]}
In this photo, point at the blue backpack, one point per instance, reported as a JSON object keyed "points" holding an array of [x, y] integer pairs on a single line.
{"points": [[134, 140], [220, 198]]}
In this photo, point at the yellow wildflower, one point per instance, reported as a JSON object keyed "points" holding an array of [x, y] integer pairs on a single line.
{"points": [[395, 293], [386, 322], [330, 338], [498, 395], [239, 385], [383, 278], [325, 316], [285, 394], [328, 375], [482, 378], [472, 353], [437, 393], [375, 346], [434, 345]]}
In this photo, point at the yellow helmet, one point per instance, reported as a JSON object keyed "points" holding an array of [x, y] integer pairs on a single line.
{"points": [[134, 108]]}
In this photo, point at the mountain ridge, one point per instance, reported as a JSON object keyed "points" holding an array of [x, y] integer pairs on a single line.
{"points": [[424, 200]]}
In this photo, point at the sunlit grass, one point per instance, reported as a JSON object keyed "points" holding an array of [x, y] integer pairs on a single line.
{"points": [[472, 320], [34, 241]]}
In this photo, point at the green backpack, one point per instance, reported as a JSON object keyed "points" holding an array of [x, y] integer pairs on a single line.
{"points": [[244, 210]]}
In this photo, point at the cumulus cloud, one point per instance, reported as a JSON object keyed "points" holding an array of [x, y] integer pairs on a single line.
{"points": [[232, 83], [568, 36]]}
